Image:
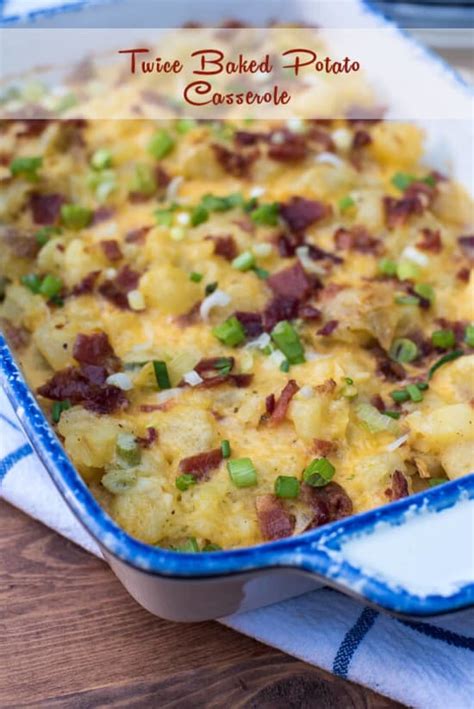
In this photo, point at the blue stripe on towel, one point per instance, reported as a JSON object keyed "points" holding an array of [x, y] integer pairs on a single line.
{"points": [[13, 458], [6, 418], [447, 636], [352, 640]]}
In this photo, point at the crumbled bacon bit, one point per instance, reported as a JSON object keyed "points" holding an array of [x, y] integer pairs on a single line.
{"points": [[102, 214], [329, 503], [324, 448], [95, 349], [399, 486], [466, 244], [274, 521], [20, 244], [431, 241], [86, 285], [287, 244], [201, 464], [224, 246], [116, 289], [464, 274], [279, 308], [357, 239], [283, 401], [32, 127], [17, 336], [245, 138], [361, 139], [190, 318], [299, 213], [137, 236], [212, 364], [316, 253], [291, 282], [378, 402], [236, 164], [239, 380], [75, 385], [289, 148], [46, 207], [308, 312], [111, 249], [328, 328], [149, 439], [251, 322], [270, 404], [161, 176], [387, 368], [322, 138]]}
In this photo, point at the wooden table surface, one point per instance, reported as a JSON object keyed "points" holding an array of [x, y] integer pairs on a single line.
{"points": [[72, 637]]}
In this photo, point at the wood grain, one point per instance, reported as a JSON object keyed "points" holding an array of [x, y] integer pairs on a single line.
{"points": [[72, 637]]}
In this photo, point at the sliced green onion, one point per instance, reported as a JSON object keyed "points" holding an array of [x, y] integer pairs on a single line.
{"points": [[76, 217], [225, 449], [285, 366], [400, 395], [244, 261], [101, 159], [210, 288], [50, 286], [224, 365], [43, 235], [184, 125], [144, 180], [184, 482], [373, 420], [402, 180], [164, 217], [444, 339], [57, 408], [199, 215], [429, 180], [387, 266], [66, 102], [128, 449], [161, 144], [407, 300], [287, 340], [422, 386], [444, 360], [414, 393], [319, 472], [230, 332], [434, 482], [266, 214], [346, 203], [407, 271], [424, 290], [31, 281], [103, 182], [261, 272], [242, 472], [211, 547], [214, 203], [393, 414], [196, 277], [161, 374], [28, 167], [469, 335], [190, 546], [287, 487], [403, 350], [119, 481], [349, 390]]}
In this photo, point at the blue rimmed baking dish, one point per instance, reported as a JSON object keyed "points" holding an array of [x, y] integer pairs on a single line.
{"points": [[414, 556], [187, 587]]}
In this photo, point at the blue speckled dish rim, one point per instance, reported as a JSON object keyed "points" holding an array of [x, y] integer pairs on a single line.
{"points": [[316, 551]]}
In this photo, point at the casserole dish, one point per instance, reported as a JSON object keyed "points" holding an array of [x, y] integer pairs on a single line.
{"points": [[246, 578]]}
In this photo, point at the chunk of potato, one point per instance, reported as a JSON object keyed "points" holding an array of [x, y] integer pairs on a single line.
{"points": [[169, 289], [397, 143], [432, 431], [185, 430], [142, 510], [319, 417], [458, 459], [88, 439]]}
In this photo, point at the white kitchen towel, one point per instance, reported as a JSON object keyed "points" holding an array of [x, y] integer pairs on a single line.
{"points": [[429, 665]]}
